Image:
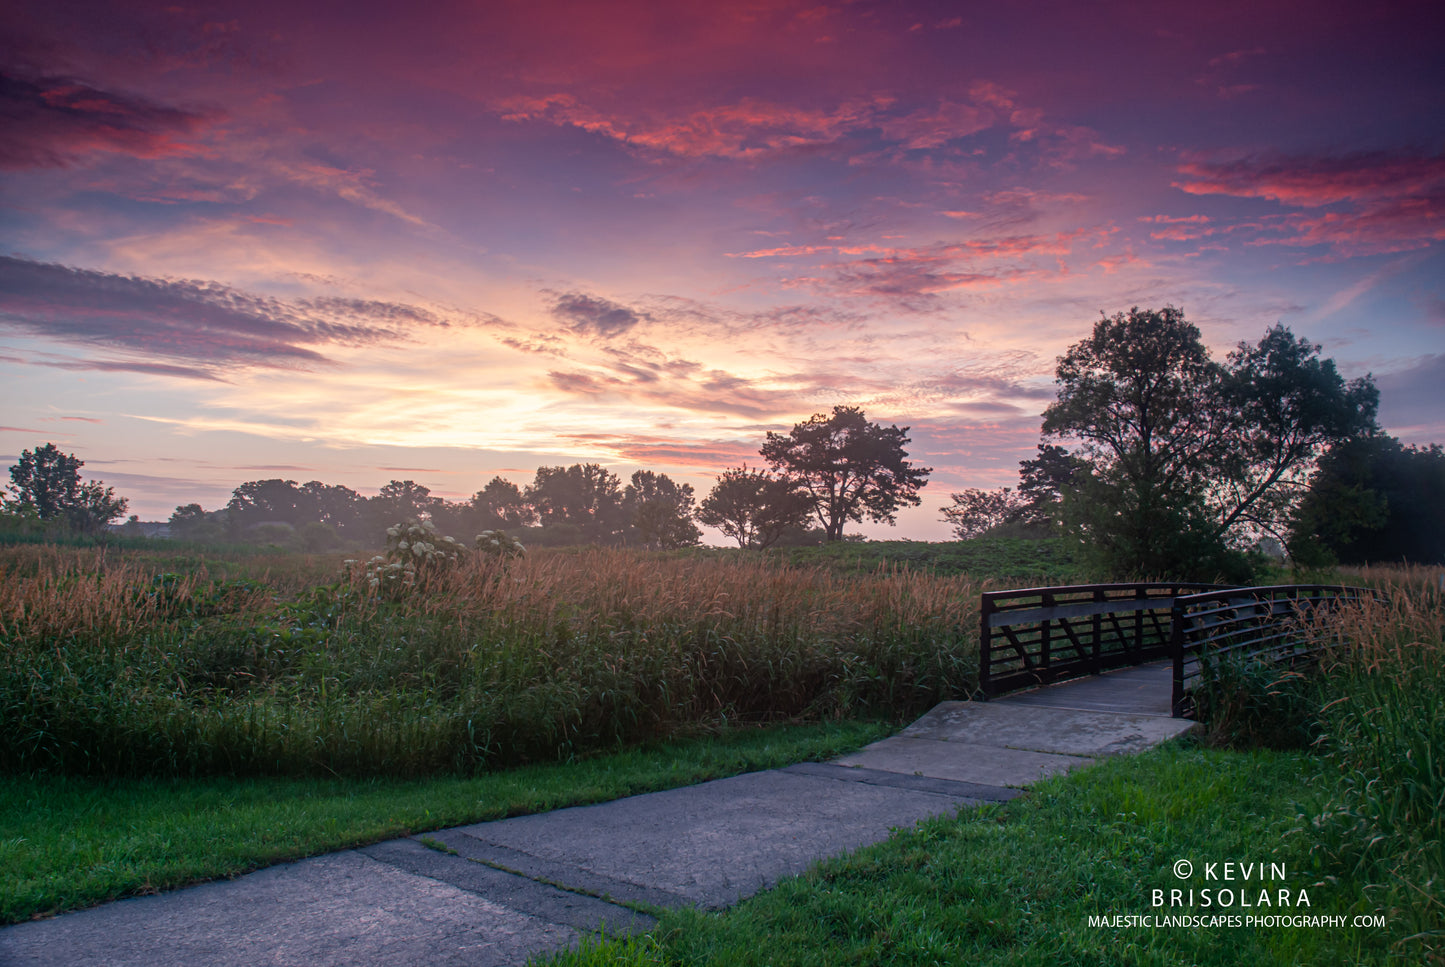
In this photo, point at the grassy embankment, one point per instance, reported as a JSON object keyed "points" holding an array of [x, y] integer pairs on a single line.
{"points": [[154, 703]]}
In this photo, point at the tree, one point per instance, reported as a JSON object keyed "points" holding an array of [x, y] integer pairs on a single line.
{"points": [[1286, 406], [401, 500], [95, 506], [753, 507], [1187, 457], [975, 511], [587, 497], [272, 501], [47, 483], [849, 468], [500, 504], [659, 511], [1043, 480], [46, 480], [1373, 500], [192, 523], [334, 505]]}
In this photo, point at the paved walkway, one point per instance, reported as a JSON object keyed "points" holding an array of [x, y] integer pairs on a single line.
{"points": [[506, 890]]}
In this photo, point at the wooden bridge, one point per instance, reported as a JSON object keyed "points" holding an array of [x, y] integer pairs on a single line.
{"points": [[1036, 636]]}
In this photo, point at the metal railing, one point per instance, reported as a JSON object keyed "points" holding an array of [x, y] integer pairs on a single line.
{"points": [[1035, 636], [1261, 624]]}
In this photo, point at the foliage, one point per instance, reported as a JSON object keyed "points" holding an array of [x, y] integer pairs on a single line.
{"points": [[586, 496], [1245, 704], [1188, 457], [415, 554], [659, 511], [975, 511], [47, 483], [496, 543], [1373, 499], [754, 507], [850, 468], [257, 507], [501, 504], [402, 500], [986, 559], [1284, 407], [1384, 732]]}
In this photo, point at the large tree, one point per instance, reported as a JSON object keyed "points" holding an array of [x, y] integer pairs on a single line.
{"points": [[1187, 456], [849, 468], [501, 504], [1373, 500], [975, 512], [272, 501], [659, 511], [753, 507], [48, 483], [587, 497]]}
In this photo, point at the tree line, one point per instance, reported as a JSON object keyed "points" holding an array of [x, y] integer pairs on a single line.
{"points": [[1160, 461], [828, 471]]}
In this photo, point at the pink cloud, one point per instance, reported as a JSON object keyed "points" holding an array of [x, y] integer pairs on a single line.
{"points": [[52, 121], [1305, 182], [1382, 202]]}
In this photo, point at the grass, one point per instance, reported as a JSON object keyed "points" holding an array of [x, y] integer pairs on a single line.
{"points": [[1032, 561], [110, 667], [1016, 883], [68, 841]]}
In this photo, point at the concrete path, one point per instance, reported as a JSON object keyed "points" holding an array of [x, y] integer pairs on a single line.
{"points": [[497, 893]]}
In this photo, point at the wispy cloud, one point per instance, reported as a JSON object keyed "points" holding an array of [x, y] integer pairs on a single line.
{"points": [[592, 315], [209, 325]]}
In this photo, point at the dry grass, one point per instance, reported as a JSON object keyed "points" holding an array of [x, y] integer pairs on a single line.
{"points": [[115, 666]]}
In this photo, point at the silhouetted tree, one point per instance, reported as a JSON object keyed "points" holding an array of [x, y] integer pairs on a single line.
{"points": [[272, 501], [1186, 456], [849, 468], [975, 511], [500, 504], [754, 507], [659, 511], [339, 508], [1373, 500], [47, 483], [401, 500], [192, 523], [587, 497]]}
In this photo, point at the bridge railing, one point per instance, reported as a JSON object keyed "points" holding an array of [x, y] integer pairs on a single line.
{"points": [[1035, 636], [1265, 624]]}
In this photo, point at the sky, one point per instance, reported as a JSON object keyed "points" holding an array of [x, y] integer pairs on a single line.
{"points": [[444, 241]]}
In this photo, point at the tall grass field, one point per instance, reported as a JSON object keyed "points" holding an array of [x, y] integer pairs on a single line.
{"points": [[133, 664]]}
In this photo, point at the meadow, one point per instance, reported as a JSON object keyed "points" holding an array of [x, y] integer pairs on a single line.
{"points": [[156, 700], [138, 664]]}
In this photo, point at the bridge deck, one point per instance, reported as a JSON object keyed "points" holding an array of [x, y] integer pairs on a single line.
{"points": [[1139, 690]]}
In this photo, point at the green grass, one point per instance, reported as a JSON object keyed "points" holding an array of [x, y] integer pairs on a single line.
{"points": [[68, 842], [1016, 883], [1032, 561]]}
